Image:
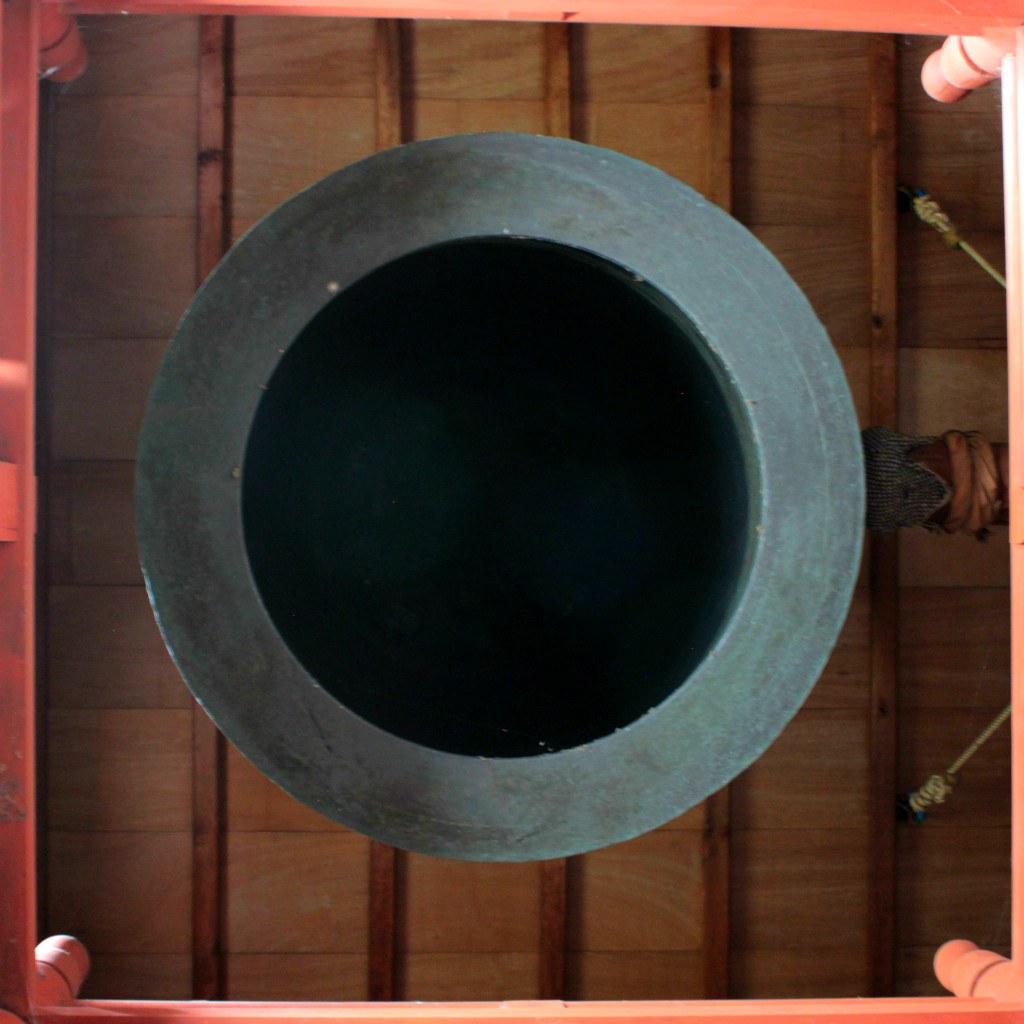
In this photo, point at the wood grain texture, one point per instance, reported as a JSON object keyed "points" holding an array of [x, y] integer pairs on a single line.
{"points": [[138, 976], [125, 156], [954, 647], [283, 56], [388, 90], [435, 118], [297, 892], [557, 81], [802, 68], [953, 881], [645, 974], [478, 60], [284, 143], [98, 391], [448, 906], [138, 55], [931, 739], [945, 389], [946, 299], [553, 927], [381, 923], [799, 165], [118, 891], [938, 560], [458, 977], [814, 776], [832, 269], [119, 770], [105, 651], [829, 870], [811, 973], [256, 804], [643, 894], [642, 64], [92, 524], [330, 977], [669, 136]]}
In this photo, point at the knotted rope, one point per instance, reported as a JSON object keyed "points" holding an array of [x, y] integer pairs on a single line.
{"points": [[975, 502], [938, 788]]}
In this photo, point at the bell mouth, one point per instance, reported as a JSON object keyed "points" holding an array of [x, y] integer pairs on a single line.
{"points": [[497, 499]]}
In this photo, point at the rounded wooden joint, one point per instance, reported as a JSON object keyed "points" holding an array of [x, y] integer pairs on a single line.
{"points": [[973, 973], [62, 964]]}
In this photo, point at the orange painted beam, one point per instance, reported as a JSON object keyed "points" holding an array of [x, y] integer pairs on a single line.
{"points": [[925, 17]]}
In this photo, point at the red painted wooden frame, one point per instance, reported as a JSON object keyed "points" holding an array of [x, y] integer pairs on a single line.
{"points": [[46, 996]]}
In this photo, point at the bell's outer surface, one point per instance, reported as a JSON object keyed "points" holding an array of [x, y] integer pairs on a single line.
{"points": [[802, 449]]}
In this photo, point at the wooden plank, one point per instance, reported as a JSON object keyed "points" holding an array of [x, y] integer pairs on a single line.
{"points": [[884, 551], [815, 775], [645, 974], [449, 906], [297, 892], [207, 744], [92, 524], [642, 63], [122, 277], [105, 651], [477, 60], [833, 270], [939, 560], [382, 923], [801, 68], [152, 55], [720, 102], [954, 647], [125, 156], [282, 56], [962, 389], [469, 977], [119, 770], [811, 973], [826, 869], [799, 165], [931, 908], [670, 136], [553, 927], [946, 300], [279, 977], [644, 894], [284, 143], [557, 81], [138, 976], [121, 892], [253, 803], [98, 394], [388, 49]]}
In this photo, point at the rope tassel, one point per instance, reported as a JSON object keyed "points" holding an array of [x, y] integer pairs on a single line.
{"points": [[929, 211]]}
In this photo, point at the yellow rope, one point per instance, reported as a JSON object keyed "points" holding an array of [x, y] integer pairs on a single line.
{"points": [[938, 788], [934, 216]]}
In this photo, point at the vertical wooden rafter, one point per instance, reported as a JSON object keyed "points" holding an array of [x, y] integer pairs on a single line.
{"points": [[558, 122], [382, 925], [19, 45], [883, 551], [715, 861], [208, 752]]}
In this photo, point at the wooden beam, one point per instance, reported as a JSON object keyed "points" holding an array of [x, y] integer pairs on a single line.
{"points": [[382, 924], [884, 551], [208, 752], [715, 860], [391, 131], [557, 81], [553, 927]]}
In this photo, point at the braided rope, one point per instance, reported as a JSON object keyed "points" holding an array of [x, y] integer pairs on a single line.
{"points": [[975, 503]]}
